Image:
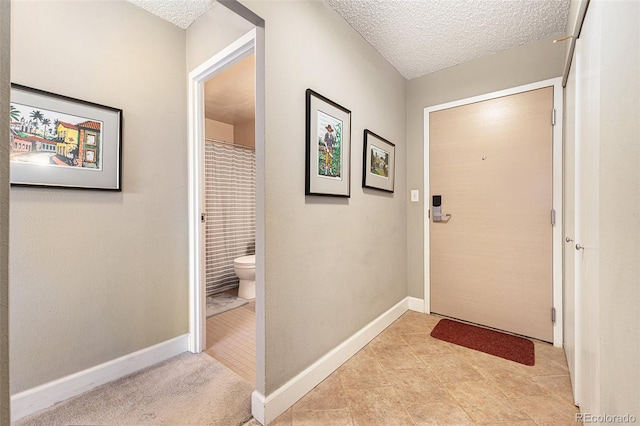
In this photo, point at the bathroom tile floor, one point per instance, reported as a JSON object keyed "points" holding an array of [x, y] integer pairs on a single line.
{"points": [[406, 377], [231, 340]]}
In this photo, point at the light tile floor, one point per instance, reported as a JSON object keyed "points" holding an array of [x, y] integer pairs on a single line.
{"points": [[231, 339], [406, 377]]}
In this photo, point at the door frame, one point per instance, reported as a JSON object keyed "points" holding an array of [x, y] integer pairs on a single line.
{"points": [[557, 234], [229, 56]]}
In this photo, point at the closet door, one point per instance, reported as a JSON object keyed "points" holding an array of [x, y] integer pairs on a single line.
{"points": [[587, 198], [569, 252]]}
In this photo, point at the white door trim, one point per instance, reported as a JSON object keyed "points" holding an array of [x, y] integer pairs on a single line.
{"points": [[557, 191], [233, 53]]}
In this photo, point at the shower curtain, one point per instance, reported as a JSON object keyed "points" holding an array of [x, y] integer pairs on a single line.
{"points": [[230, 187]]}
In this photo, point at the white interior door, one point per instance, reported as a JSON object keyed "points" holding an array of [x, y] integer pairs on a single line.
{"points": [[587, 62], [569, 252]]}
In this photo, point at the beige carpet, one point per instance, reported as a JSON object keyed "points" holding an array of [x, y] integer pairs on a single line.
{"points": [[188, 389]]}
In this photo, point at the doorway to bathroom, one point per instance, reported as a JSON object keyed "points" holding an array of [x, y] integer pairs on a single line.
{"points": [[223, 209], [230, 207]]}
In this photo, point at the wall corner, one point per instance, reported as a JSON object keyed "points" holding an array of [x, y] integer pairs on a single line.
{"points": [[5, 87]]}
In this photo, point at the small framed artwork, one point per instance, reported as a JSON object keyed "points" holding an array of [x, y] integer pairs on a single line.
{"points": [[328, 160], [379, 160], [59, 141]]}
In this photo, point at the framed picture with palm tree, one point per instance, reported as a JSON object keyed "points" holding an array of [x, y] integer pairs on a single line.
{"points": [[60, 141]]}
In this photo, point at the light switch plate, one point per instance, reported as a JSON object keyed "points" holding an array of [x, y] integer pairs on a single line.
{"points": [[415, 195]]}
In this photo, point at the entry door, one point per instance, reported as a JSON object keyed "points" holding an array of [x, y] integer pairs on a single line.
{"points": [[491, 260]]}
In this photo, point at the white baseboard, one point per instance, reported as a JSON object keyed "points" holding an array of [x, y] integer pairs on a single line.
{"points": [[43, 396], [416, 304], [258, 404], [266, 409]]}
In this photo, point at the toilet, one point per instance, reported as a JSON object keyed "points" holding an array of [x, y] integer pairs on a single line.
{"points": [[245, 269]]}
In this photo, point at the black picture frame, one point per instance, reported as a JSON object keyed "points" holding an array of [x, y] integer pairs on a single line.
{"points": [[378, 162], [63, 142], [328, 147]]}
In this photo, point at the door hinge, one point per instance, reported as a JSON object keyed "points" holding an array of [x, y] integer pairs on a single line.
{"points": [[428, 213], [553, 117], [202, 217], [553, 315], [553, 217]]}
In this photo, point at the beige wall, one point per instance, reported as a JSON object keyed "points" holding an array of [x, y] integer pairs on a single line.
{"points": [[97, 275], [245, 133], [212, 32], [218, 130], [537, 61], [5, 24], [332, 264], [620, 208]]}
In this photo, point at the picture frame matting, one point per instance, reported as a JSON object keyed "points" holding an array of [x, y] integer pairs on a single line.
{"points": [[59, 141]]}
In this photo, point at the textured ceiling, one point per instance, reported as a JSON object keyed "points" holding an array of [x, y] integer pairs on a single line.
{"points": [[229, 96], [416, 36], [181, 13], [420, 37]]}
